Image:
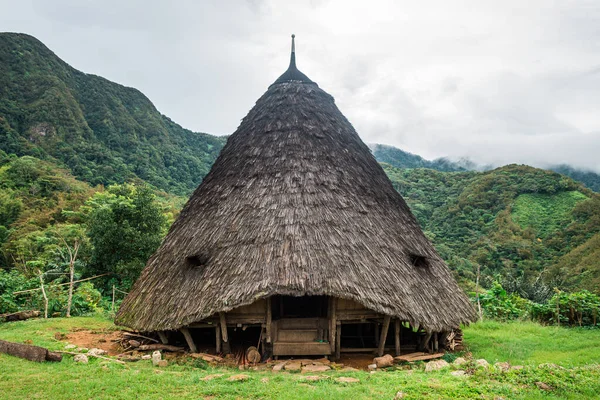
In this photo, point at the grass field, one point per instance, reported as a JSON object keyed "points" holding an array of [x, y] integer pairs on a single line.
{"points": [[525, 344]]}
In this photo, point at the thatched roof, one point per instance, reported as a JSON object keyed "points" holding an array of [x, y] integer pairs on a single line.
{"points": [[295, 205]]}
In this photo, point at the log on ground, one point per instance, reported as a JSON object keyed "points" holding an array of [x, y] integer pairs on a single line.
{"points": [[29, 352]]}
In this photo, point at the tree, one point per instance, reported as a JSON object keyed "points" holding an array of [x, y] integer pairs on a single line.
{"points": [[125, 226]]}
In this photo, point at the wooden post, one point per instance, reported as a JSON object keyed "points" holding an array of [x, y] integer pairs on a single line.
{"points": [[163, 337], [189, 340], [383, 337], [113, 300], [338, 340], [44, 294], [226, 347], [426, 342], [435, 342], [269, 318], [332, 322], [218, 338], [397, 336]]}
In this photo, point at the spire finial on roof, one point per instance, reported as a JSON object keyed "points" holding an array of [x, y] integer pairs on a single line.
{"points": [[293, 56], [292, 74]]}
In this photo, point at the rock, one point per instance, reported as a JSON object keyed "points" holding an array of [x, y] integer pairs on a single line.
{"points": [[436, 365], [348, 369], [134, 343], [278, 367], [96, 352], [162, 363], [156, 357], [293, 366], [503, 366], [82, 349], [543, 386], [458, 373], [517, 367], [81, 358], [460, 361], [372, 367], [238, 378], [323, 361], [481, 363], [399, 395], [146, 357], [70, 347], [385, 361], [346, 379], [211, 377], [316, 368]]}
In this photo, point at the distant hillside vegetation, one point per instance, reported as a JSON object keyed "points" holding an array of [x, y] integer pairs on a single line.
{"points": [[524, 225], [102, 131], [402, 159]]}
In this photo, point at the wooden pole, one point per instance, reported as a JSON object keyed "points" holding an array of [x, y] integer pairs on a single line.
{"points": [[72, 258], [338, 340], [218, 338], [226, 347], [163, 337], [188, 338], [113, 300], [61, 284], [383, 337], [477, 292], [435, 342], [426, 342], [269, 318], [332, 323], [397, 336], [44, 294]]}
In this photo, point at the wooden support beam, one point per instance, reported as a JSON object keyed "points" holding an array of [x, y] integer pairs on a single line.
{"points": [[426, 342], [338, 340], [332, 322], [435, 342], [226, 347], [163, 337], [188, 338], [383, 337], [218, 339], [269, 318], [397, 331]]}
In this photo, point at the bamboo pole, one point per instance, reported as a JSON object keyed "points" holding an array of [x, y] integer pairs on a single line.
{"points": [[61, 284]]}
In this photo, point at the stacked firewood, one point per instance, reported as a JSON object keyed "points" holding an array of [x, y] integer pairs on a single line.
{"points": [[134, 345], [454, 340]]}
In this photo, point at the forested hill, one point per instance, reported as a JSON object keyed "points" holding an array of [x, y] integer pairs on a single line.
{"points": [[402, 159], [102, 131], [530, 228]]}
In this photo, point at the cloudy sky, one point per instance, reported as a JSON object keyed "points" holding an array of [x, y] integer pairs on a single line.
{"points": [[495, 81]]}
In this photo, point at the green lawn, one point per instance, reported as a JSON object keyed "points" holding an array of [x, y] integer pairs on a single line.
{"points": [[521, 343]]}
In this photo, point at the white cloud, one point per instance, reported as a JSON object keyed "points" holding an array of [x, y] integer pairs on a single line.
{"points": [[498, 82]]}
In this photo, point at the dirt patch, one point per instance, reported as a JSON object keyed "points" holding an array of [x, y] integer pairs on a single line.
{"points": [[358, 361], [108, 341]]}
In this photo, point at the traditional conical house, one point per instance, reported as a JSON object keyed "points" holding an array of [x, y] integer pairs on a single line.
{"points": [[297, 239]]}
